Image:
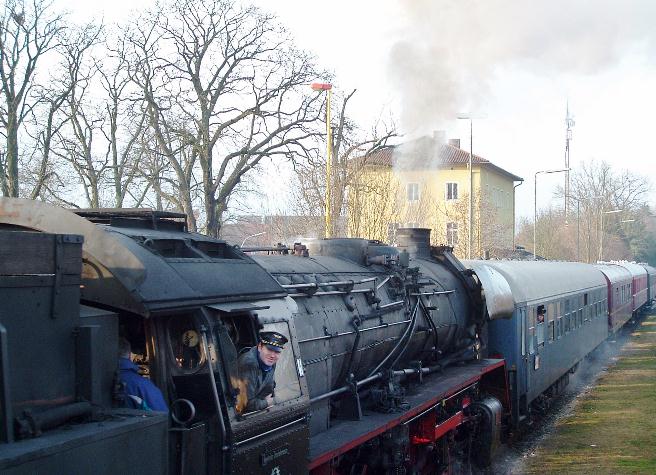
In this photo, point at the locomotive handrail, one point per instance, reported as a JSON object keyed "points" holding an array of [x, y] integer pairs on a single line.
{"points": [[383, 282], [327, 337], [337, 392], [392, 304], [333, 292], [336, 283], [437, 292], [258, 436], [219, 413]]}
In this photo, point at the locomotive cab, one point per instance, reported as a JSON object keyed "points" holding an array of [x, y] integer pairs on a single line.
{"points": [[188, 304]]}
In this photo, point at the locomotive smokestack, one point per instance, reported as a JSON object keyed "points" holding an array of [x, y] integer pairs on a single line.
{"points": [[416, 241]]}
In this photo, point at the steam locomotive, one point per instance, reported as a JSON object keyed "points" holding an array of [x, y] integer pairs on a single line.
{"points": [[400, 359]]}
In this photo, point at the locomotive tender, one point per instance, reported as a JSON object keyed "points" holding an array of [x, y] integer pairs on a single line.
{"points": [[386, 367]]}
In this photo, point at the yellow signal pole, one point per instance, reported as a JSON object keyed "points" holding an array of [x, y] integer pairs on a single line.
{"points": [[329, 159]]}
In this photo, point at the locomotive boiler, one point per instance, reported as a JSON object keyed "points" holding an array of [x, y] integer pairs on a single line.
{"points": [[385, 369]]}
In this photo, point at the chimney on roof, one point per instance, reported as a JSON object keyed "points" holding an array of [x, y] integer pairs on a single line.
{"points": [[454, 142], [439, 136]]}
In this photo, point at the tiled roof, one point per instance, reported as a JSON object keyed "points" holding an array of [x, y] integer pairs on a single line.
{"points": [[426, 152]]}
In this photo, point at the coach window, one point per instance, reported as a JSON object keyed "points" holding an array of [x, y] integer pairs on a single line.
{"points": [[551, 317], [541, 313], [567, 316], [531, 331], [522, 315]]}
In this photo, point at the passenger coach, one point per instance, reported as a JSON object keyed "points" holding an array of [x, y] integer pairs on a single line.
{"points": [[559, 317], [639, 284], [620, 298]]}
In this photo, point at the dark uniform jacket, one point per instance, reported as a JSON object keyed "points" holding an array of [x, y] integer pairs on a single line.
{"points": [[259, 384]]}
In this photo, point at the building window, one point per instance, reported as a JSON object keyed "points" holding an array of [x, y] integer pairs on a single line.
{"points": [[451, 191], [452, 234], [391, 232], [412, 191]]}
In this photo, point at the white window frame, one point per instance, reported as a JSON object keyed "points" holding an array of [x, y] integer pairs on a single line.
{"points": [[452, 234], [454, 187], [412, 192]]}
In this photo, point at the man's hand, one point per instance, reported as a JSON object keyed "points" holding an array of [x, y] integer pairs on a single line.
{"points": [[269, 400]]}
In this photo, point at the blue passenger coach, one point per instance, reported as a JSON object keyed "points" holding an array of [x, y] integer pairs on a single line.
{"points": [[560, 315]]}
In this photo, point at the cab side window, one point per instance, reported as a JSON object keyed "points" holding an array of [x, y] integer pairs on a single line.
{"points": [[185, 344]]}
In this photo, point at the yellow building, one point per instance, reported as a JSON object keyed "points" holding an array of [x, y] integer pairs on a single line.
{"points": [[425, 183]]}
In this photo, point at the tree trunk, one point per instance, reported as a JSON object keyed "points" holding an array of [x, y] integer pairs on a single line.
{"points": [[12, 154]]}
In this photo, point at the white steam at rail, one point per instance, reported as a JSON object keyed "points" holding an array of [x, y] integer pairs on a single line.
{"points": [[452, 49]]}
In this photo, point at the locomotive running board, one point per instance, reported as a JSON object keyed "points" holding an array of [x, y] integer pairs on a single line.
{"points": [[330, 444]]}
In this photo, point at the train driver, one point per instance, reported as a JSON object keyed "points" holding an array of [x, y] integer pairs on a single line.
{"points": [[139, 392], [257, 369]]}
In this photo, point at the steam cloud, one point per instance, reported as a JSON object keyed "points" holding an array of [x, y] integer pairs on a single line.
{"points": [[452, 49]]}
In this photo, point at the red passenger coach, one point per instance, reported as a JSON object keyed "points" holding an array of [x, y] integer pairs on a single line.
{"points": [[651, 281], [639, 287], [620, 294]]}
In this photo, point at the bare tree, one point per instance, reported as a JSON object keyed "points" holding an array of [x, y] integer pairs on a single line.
{"points": [[612, 210], [49, 117], [126, 119], [223, 82], [84, 119], [28, 31]]}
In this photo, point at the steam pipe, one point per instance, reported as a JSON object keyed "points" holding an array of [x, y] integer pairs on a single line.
{"points": [[460, 356], [342, 390], [356, 325], [431, 323], [33, 423], [410, 334], [405, 333]]}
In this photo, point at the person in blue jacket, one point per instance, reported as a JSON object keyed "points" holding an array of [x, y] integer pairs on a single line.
{"points": [[140, 393]]}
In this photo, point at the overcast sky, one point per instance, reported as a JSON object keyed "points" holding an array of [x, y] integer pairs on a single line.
{"points": [[513, 63]]}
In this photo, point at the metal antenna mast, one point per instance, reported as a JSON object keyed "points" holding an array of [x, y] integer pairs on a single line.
{"points": [[569, 123]]}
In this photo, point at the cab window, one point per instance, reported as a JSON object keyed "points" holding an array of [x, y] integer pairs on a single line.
{"points": [[238, 337], [185, 344], [287, 383]]}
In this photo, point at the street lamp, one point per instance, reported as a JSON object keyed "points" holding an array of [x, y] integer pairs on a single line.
{"points": [[251, 236], [601, 230], [470, 118], [535, 201], [320, 86]]}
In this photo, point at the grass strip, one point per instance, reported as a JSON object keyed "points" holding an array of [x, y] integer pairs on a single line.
{"points": [[613, 427]]}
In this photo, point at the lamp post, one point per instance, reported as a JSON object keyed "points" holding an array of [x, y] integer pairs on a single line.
{"points": [[471, 180], [601, 229], [328, 208], [251, 236], [535, 201], [514, 212]]}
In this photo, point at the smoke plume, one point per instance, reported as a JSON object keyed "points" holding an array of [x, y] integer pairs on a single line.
{"points": [[452, 49]]}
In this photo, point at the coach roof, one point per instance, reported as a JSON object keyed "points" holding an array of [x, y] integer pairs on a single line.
{"points": [[540, 280]]}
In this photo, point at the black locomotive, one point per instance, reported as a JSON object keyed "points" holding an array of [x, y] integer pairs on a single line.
{"points": [[386, 369]]}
